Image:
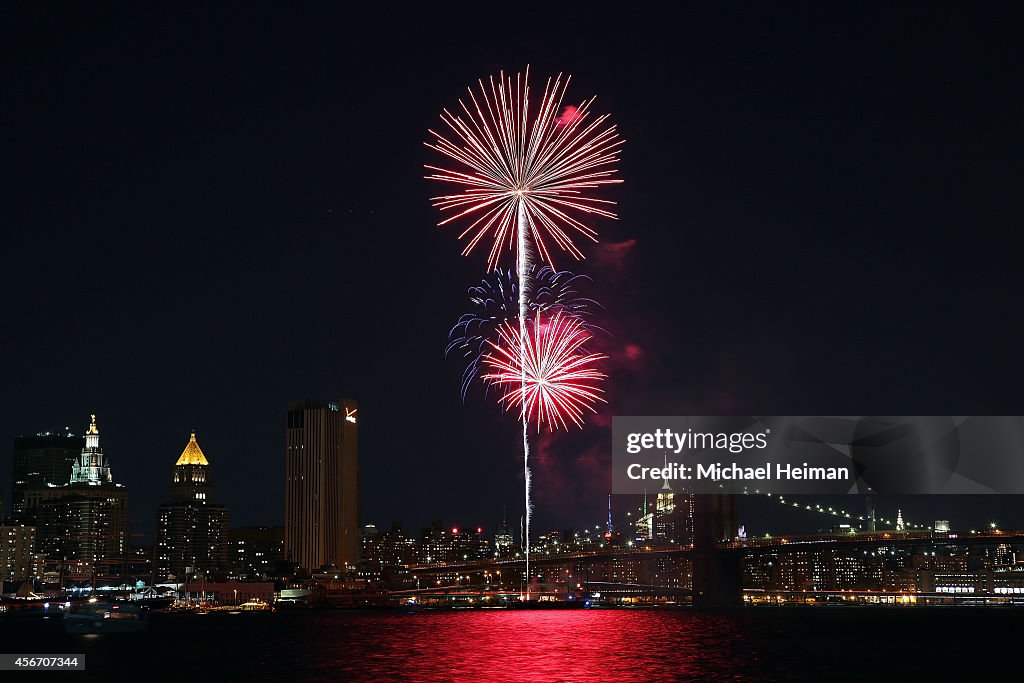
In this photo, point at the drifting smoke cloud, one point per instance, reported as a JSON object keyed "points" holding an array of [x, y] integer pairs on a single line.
{"points": [[575, 466], [569, 115], [613, 255]]}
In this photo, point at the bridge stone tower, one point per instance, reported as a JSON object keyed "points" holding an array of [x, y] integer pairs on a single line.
{"points": [[717, 573]]}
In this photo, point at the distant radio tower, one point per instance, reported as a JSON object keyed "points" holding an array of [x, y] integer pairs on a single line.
{"points": [[610, 528]]}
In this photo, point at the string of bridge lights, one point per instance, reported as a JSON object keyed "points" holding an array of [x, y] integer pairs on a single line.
{"points": [[816, 508], [835, 512]]}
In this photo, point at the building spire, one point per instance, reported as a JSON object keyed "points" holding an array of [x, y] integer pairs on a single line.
{"points": [[610, 527], [92, 434], [91, 467], [193, 454]]}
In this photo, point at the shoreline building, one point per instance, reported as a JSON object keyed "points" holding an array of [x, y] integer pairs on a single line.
{"points": [[322, 484], [191, 530], [83, 524], [256, 552], [18, 559]]}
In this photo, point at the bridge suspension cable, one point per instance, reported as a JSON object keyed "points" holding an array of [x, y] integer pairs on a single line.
{"points": [[826, 510], [836, 512]]}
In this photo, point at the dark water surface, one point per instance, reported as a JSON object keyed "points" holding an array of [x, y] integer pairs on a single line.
{"points": [[798, 643]]}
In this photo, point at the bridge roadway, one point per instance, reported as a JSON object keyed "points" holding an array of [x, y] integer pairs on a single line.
{"points": [[750, 545]]}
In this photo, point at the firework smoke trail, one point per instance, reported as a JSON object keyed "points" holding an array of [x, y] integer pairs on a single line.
{"points": [[496, 300], [527, 176]]}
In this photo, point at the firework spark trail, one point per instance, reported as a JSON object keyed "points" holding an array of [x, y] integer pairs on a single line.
{"points": [[526, 177], [496, 300], [523, 264]]}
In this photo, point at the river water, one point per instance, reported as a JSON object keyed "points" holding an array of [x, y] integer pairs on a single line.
{"points": [[769, 643]]}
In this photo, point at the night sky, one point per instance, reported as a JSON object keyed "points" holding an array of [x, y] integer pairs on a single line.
{"points": [[207, 213]]}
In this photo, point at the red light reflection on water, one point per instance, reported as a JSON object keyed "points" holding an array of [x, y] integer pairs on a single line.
{"points": [[534, 645]]}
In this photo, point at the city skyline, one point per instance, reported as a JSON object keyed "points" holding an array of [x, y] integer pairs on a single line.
{"points": [[332, 329], [837, 249], [790, 518]]}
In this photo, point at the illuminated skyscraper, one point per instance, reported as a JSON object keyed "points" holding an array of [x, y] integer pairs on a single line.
{"points": [[322, 484], [672, 519], [83, 523], [645, 524], [191, 530], [504, 542]]}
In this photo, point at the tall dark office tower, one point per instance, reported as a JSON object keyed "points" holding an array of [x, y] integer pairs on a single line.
{"points": [[83, 523], [40, 461], [191, 530], [321, 518]]}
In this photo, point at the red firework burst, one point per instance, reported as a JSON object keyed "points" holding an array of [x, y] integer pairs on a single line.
{"points": [[546, 373], [510, 156]]}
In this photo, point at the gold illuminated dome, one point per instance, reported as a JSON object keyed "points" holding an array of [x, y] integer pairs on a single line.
{"points": [[193, 454]]}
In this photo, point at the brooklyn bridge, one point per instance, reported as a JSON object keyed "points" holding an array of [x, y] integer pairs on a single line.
{"points": [[710, 571]]}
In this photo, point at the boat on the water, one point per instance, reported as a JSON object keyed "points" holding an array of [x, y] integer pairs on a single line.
{"points": [[104, 617], [255, 606], [154, 604]]}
